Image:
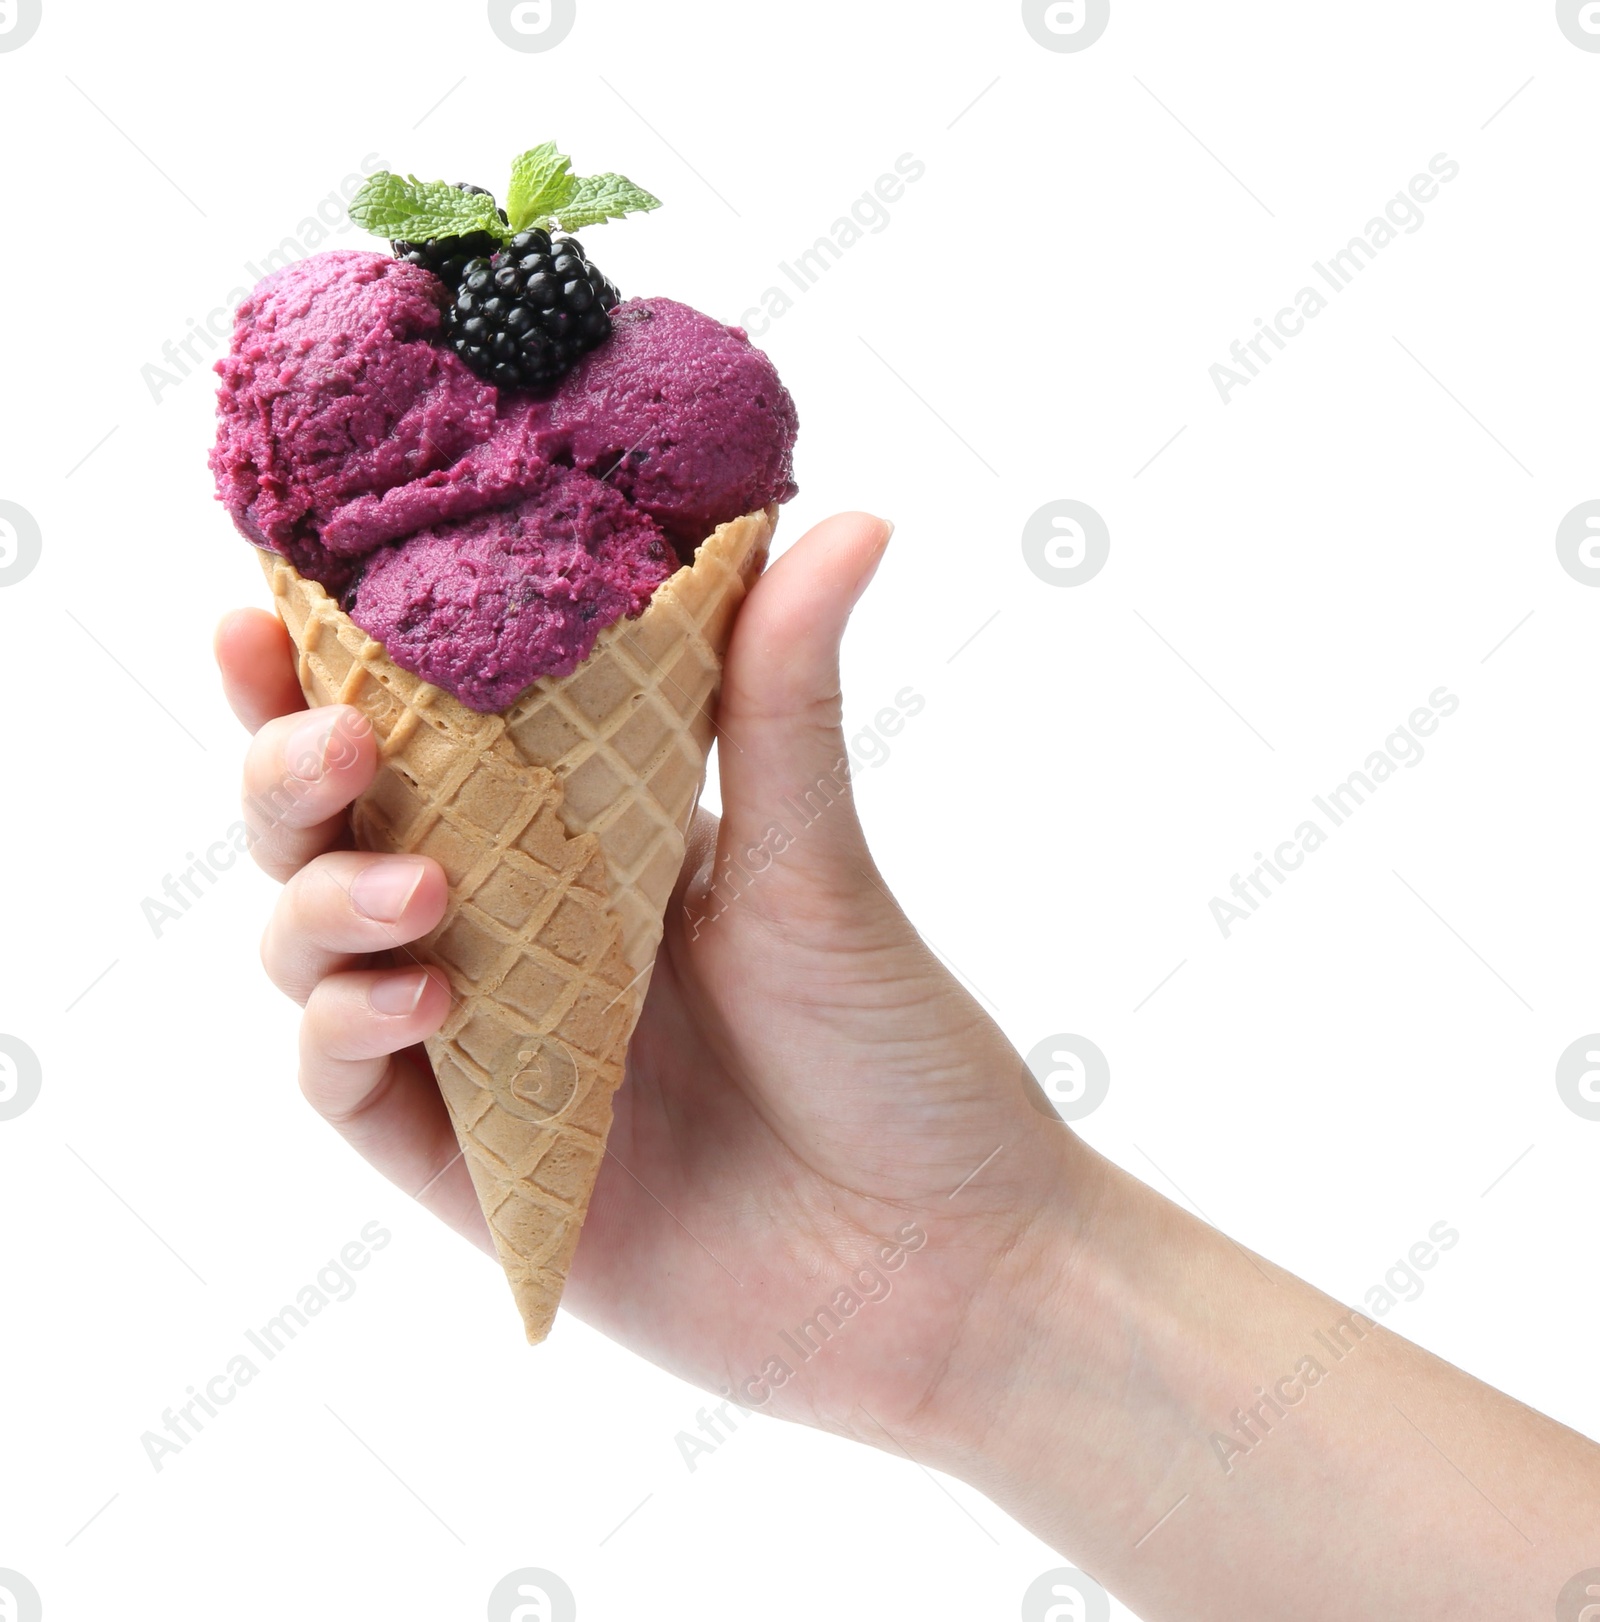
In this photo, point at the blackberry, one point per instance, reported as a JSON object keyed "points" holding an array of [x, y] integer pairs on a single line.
{"points": [[446, 257], [523, 316]]}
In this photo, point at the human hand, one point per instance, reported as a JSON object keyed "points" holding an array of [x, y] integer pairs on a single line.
{"points": [[813, 1104]]}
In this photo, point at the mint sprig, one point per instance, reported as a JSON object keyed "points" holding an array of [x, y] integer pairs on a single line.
{"points": [[411, 210], [600, 198], [543, 194], [541, 181]]}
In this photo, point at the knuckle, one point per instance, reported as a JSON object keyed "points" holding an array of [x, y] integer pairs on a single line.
{"points": [[312, 1084], [268, 856], [288, 944], [270, 954], [327, 1016], [316, 901], [338, 1027]]}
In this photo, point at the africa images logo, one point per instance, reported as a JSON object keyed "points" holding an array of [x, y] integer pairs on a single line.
{"points": [[532, 25], [1066, 1595], [1578, 543], [1072, 1074], [19, 1599], [20, 1081], [1066, 25], [532, 1595], [1579, 1601], [19, 22], [1578, 1079], [1066, 543], [21, 544], [1580, 22]]}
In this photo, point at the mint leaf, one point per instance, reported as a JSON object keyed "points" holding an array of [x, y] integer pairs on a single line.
{"points": [[406, 209], [541, 181], [599, 198]]}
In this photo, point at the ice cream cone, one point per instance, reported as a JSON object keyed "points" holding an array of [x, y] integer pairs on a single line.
{"points": [[560, 826]]}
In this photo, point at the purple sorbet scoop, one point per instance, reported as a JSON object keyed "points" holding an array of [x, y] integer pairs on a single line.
{"points": [[333, 389], [484, 606]]}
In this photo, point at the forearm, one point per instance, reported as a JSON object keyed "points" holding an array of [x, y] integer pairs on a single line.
{"points": [[1210, 1437]]}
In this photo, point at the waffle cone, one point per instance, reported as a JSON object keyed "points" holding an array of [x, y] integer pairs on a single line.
{"points": [[560, 826]]}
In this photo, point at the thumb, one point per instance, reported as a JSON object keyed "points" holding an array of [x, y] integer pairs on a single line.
{"points": [[785, 773]]}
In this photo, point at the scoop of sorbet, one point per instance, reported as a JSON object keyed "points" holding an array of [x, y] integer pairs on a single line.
{"points": [[684, 415], [334, 389], [485, 606]]}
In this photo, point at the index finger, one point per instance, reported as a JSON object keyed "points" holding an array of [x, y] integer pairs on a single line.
{"points": [[257, 660]]}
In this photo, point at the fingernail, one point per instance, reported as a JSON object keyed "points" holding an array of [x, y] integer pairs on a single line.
{"points": [[306, 754], [398, 994], [382, 890]]}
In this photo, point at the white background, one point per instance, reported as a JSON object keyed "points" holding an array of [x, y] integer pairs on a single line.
{"points": [[1288, 579]]}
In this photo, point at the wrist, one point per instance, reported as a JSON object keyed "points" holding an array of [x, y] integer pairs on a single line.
{"points": [[1083, 1383], [1017, 1334]]}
